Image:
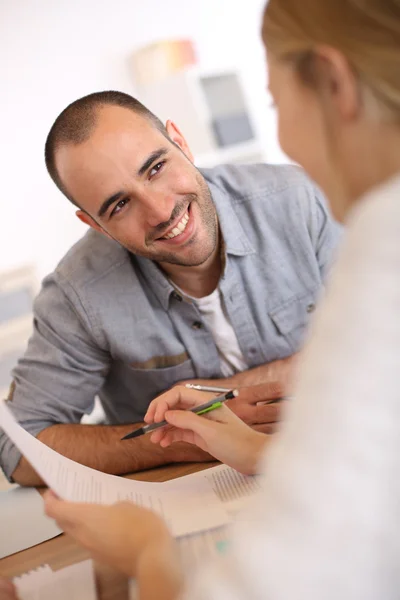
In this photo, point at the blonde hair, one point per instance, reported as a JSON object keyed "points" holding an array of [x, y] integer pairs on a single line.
{"points": [[367, 32]]}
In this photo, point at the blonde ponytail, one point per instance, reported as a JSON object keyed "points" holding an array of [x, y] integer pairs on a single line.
{"points": [[367, 32]]}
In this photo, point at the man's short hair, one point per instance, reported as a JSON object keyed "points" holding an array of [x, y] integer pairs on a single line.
{"points": [[76, 123]]}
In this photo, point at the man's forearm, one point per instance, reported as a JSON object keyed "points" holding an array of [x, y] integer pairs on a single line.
{"points": [[279, 371], [100, 447]]}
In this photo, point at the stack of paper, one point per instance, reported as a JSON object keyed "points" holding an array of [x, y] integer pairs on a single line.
{"points": [[190, 504]]}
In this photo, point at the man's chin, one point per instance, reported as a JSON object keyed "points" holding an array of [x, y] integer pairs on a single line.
{"points": [[189, 259], [193, 254], [182, 262]]}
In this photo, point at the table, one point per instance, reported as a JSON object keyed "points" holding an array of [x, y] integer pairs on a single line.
{"points": [[62, 551]]}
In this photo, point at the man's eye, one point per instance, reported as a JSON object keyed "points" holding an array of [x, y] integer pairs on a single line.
{"points": [[119, 206], [154, 170]]}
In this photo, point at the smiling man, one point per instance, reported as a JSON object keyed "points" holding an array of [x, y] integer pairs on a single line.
{"points": [[184, 275]]}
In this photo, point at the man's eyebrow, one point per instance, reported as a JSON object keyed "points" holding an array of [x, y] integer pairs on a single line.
{"points": [[107, 203], [149, 161]]}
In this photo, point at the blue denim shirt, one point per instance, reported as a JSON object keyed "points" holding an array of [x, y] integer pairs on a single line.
{"points": [[110, 324]]}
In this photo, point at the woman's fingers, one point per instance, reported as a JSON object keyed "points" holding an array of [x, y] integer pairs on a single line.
{"points": [[158, 434], [178, 396], [203, 427], [69, 515], [177, 435], [7, 589]]}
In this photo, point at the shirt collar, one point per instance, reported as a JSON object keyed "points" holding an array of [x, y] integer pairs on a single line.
{"points": [[155, 278], [234, 237]]}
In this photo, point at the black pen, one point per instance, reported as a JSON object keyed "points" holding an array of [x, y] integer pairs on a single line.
{"points": [[199, 410]]}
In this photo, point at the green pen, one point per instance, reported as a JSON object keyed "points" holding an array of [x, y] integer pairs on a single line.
{"points": [[199, 410]]}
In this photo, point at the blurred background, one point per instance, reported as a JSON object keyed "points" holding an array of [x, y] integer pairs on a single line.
{"points": [[199, 63]]}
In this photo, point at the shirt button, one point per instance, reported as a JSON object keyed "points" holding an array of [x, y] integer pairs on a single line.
{"points": [[177, 296], [197, 325], [310, 308]]}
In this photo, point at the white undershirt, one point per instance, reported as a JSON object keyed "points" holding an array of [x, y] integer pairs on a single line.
{"points": [[326, 524], [213, 312]]}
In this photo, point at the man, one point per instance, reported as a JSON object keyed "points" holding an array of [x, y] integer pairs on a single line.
{"points": [[184, 275]]}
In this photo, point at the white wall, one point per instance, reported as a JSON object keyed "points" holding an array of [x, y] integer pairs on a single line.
{"points": [[54, 51]]}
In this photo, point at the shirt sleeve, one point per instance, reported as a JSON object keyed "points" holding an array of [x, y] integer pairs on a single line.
{"points": [[61, 372], [326, 524]]}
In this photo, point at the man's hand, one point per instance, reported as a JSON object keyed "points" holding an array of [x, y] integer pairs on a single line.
{"points": [[280, 371], [258, 407]]}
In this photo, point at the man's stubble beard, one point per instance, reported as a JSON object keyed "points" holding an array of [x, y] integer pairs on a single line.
{"points": [[209, 220]]}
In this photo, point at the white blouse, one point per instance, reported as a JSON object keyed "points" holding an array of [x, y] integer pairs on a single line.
{"points": [[326, 525]]}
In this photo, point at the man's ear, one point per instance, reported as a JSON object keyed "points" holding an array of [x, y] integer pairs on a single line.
{"points": [[87, 219], [177, 137]]}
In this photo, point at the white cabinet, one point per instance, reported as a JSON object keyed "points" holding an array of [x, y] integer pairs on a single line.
{"points": [[211, 111]]}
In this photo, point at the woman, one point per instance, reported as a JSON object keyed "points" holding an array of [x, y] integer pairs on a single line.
{"points": [[326, 524]]}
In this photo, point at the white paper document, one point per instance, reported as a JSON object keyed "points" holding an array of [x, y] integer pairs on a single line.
{"points": [[232, 489], [22, 521], [194, 550], [76, 582], [186, 507], [189, 504], [198, 547]]}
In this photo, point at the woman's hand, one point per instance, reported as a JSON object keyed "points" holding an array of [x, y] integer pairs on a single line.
{"points": [[219, 432], [120, 535], [7, 590]]}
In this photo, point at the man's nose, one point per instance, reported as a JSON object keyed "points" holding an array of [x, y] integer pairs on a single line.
{"points": [[157, 208]]}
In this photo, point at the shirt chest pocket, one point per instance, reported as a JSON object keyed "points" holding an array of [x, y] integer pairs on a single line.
{"points": [[160, 373], [292, 318]]}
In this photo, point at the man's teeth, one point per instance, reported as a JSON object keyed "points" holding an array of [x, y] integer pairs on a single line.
{"points": [[180, 227]]}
